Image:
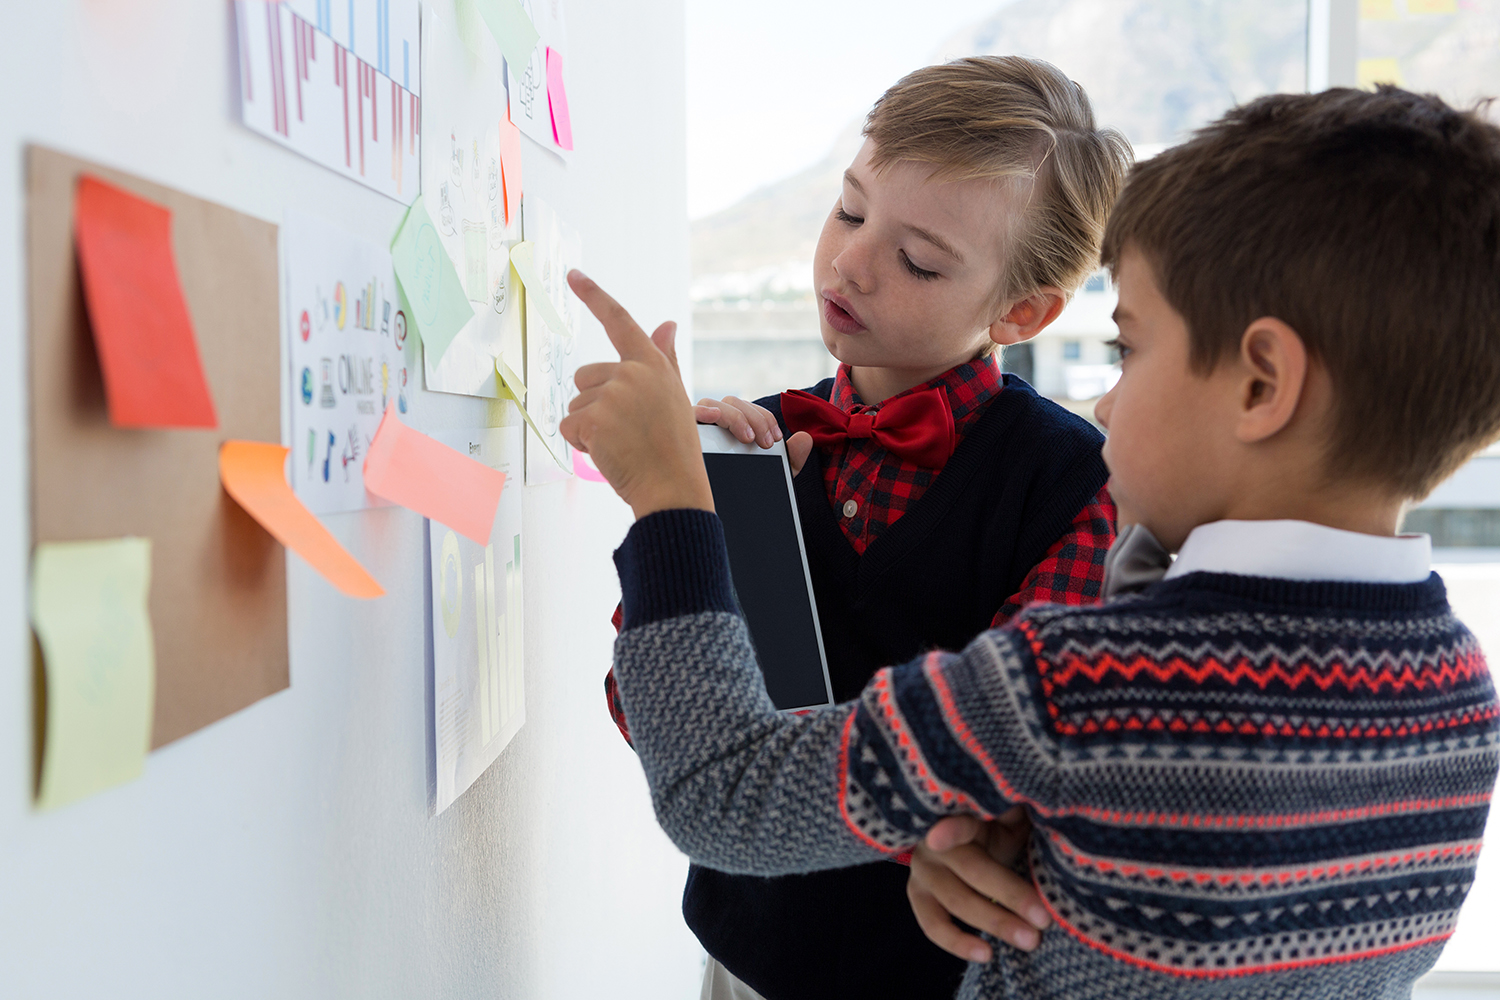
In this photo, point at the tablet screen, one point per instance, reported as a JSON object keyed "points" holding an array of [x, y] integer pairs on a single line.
{"points": [[770, 578]]}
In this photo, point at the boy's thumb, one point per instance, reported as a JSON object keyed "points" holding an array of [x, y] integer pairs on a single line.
{"points": [[798, 447], [665, 339]]}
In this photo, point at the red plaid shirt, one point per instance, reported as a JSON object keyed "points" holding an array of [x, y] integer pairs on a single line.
{"points": [[883, 488]]}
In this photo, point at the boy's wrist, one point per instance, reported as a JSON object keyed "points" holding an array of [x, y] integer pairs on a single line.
{"points": [[689, 493], [673, 562]]}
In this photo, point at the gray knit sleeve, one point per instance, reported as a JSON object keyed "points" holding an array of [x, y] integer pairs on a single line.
{"points": [[737, 785]]}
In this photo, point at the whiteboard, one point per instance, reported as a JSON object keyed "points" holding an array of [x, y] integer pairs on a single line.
{"points": [[288, 850]]}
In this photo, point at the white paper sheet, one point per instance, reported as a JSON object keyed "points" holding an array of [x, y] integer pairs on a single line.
{"points": [[382, 33], [357, 114], [528, 84], [478, 684], [551, 359], [462, 110], [346, 340]]}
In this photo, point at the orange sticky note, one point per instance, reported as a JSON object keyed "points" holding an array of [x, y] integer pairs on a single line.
{"points": [[411, 469], [510, 168], [144, 335], [254, 474], [557, 101]]}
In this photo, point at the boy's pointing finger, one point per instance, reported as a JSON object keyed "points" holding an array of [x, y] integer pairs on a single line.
{"points": [[592, 376], [627, 336]]}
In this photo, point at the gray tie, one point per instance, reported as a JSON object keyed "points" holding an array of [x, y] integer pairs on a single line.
{"points": [[1134, 562]]}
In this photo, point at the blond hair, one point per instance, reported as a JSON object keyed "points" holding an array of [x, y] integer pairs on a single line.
{"points": [[1022, 120]]}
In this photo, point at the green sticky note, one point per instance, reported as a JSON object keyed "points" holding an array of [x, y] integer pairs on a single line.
{"points": [[439, 307], [513, 31], [88, 608]]}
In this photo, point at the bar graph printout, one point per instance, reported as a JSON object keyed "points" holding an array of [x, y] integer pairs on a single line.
{"points": [[339, 82], [478, 687]]}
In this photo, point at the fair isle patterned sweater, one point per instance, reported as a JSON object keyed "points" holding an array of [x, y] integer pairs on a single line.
{"points": [[1239, 786]]}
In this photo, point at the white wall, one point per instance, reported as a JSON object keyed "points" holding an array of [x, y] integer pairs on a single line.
{"points": [[286, 851]]}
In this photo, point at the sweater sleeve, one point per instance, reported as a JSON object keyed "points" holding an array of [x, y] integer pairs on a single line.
{"points": [[743, 788]]}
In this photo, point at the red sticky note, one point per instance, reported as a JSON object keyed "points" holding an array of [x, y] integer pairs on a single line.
{"points": [[254, 473], [411, 469], [510, 168], [153, 376], [557, 100]]}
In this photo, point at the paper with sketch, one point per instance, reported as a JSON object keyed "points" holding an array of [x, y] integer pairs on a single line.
{"points": [[463, 177], [143, 333], [477, 649], [530, 107], [346, 343], [336, 82], [88, 608], [551, 353]]}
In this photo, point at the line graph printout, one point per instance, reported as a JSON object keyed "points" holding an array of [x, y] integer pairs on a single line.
{"points": [[303, 88], [479, 697]]}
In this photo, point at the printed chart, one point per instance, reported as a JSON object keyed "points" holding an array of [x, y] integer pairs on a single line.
{"points": [[346, 339], [461, 175], [478, 685], [551, 355], [335, 104]]}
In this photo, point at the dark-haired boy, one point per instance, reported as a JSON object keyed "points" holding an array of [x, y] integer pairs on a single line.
{"points": [[972, 212], [1264, 775]]}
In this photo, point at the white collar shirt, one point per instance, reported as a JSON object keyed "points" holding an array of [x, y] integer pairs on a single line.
{"points": [[1301, 550]]}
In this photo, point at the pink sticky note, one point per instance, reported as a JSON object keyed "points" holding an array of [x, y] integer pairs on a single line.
{"points": [[411, 469], [583, 470], [510, 168], [557, 100]]}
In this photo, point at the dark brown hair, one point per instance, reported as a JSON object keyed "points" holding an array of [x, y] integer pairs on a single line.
{"points": [[1013, 117], [1370, 224]]}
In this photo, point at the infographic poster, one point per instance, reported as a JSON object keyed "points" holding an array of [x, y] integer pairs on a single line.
{"points": [[346, 344], [478, 684]]}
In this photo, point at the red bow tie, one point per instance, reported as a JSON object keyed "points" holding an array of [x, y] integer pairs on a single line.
{"points": [[917, 427]]}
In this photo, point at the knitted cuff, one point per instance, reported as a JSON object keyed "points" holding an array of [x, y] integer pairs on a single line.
{"points": [[674, 563]]}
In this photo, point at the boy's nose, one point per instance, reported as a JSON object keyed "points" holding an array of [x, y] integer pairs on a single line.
{"points": [[853, 265], [1104, 406]]}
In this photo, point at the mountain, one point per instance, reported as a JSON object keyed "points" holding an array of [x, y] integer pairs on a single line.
{"points": [[1153, 68]]}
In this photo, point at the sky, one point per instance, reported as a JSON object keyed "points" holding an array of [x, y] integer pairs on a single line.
{"points": [[771, 83]]}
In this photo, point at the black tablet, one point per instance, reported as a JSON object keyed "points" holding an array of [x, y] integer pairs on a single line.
{"points": [[768, 565]]}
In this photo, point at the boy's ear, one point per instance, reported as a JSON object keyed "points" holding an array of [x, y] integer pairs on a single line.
{"points": [[1028, 317], [1274, 369]]}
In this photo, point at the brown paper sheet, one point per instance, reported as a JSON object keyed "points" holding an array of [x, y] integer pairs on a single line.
{"points": [[218, 581]]}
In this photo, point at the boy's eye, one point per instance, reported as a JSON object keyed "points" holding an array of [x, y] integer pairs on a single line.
{"points": [[1120, 349], [918, 272], [844, 216]]}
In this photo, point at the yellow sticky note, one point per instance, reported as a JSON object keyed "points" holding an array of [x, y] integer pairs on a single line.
{"points": [[523, 259], [512, 386], [1377, 10], [88, 608], [1432, 6], [1373, 71]]}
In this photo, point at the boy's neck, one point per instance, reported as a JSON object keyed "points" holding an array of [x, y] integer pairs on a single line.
{"points": [[876, 385]]}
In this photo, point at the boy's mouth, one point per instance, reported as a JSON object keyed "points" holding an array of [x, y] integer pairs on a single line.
{"points": [[839, 313]]}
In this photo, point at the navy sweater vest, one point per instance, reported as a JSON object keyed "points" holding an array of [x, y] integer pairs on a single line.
{"points": [[934, 579]]}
